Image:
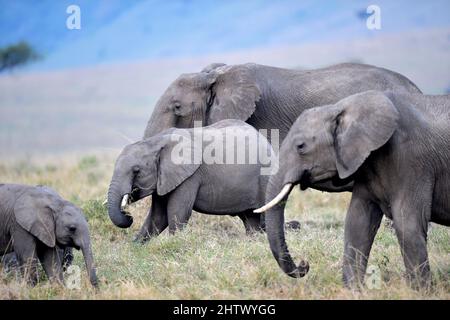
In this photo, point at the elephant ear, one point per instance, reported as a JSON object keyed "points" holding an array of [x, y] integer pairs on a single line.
{"points": [[212, 67], [178, 160], [235, 94], [364, 123], [34, 212]]}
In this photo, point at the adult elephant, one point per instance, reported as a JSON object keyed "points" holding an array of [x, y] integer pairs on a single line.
{"points": [[395, 147], [265, 97]]}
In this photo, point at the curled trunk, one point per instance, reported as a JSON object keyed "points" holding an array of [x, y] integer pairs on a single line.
{"points": [[117, 216]]}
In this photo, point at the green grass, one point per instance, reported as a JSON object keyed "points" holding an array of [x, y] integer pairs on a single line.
{"points": [[213, 258]]}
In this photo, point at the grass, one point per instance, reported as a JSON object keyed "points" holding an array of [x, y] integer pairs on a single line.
{"points": [[213, 258]]}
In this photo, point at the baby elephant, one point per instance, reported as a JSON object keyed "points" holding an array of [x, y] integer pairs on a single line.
{"points": [[217, 183], [396, 148], [37, 224]]}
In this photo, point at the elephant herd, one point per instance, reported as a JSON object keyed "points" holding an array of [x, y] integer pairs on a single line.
{"points": [[348, 127]]}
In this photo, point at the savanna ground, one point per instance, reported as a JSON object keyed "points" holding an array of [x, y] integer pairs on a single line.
{"points": [[213, 258]]}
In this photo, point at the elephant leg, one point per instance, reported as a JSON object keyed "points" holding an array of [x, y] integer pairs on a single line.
{"points": [[411, 226], [180, 205], [179, 214], [25, 249], [156, 220], [52, 262], [361, 225], [252, 221]]}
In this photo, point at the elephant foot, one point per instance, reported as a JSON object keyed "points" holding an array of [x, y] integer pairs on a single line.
{"points": [[292, 225]]}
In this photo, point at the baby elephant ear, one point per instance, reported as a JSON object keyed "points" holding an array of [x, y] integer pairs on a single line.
{"points": [[34, 213], [365, 122], [179, 158], [212, 67]]}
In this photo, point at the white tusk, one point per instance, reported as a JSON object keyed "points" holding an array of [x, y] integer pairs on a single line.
{"points": [[104, 203], [124, 201], [286, 189]]}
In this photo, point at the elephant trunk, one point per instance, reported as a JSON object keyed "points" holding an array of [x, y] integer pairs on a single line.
{"points": [[115, 197], [275, 229], [89, 260], [159, 121]]}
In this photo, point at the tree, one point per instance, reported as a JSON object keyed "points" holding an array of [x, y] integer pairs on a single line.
{"points": [[17, 55]]}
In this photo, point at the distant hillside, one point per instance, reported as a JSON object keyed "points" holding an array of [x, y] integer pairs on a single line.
{"points": [[99, 107]]}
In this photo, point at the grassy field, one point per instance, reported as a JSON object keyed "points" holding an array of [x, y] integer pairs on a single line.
{"points": [[213, 258]]}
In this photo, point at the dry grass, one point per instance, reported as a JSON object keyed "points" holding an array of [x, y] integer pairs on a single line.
{"points": [[213, 258]]}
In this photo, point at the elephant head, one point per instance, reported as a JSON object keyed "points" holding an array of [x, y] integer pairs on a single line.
{"points": [[145, 167], [216, 93], [328, 143], [55, 221]]}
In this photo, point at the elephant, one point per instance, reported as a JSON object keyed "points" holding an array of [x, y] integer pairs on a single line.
{"points": [[395, 147], [217, 187], [265, 97], [37, 224]]}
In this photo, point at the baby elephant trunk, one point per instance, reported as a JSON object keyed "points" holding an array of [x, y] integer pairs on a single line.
{"points": [[89, 260]]}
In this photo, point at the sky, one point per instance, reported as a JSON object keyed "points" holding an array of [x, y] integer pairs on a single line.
{"points": [[120, 31]]}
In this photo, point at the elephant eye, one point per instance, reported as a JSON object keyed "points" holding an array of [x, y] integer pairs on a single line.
{"points": [[177, 107], [301, 148]]}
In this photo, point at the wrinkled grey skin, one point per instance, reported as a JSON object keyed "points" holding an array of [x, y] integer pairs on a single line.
{"points": [[265, 97], [146, 168], [395, 147], [37, 224]]}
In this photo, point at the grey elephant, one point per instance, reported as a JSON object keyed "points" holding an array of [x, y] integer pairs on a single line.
{"points": [[265, 97], [219, 187], [396, 148], [37, 224]]}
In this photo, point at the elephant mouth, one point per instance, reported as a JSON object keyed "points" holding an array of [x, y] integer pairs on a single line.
{"points": [[305, 180], [131, 197], [136, 194], [67, 242], [338, 182], [127, 199]]}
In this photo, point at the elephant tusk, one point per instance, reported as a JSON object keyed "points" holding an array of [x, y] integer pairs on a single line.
{"points": [[124, 201], [286, 189]]}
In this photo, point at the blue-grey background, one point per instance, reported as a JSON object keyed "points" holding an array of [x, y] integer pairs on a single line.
{"points": [[95, 87]]}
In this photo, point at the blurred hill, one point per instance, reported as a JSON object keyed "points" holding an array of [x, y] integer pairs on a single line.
{"points": [[96, 87]]}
